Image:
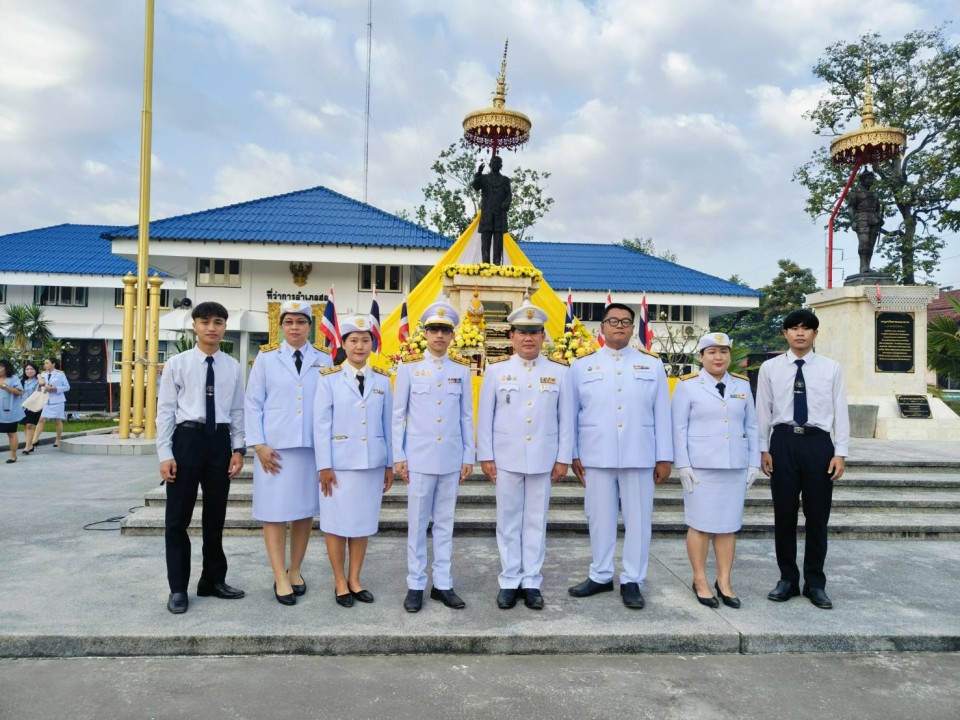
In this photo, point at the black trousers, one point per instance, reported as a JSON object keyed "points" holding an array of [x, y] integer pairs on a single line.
{"points": [[800, 475], [497, 238], [202, 461]]}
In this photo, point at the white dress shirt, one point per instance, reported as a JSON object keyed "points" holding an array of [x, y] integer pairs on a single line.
{"points": [[182, 396], [826, 397]]}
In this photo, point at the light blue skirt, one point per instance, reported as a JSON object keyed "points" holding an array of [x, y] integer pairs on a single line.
{"points": [[354, 508], [291, 494], [54, 412], [716, 503]]}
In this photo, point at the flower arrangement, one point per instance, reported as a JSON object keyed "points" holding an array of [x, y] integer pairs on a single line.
{"points": [[488, 270], [469, 335], [412, 348], [576, 342]]}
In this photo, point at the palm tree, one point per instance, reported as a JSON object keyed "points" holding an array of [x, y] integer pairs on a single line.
{"points": [[943, 344], [24, 325]]}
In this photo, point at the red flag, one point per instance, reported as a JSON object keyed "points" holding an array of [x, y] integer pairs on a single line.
{"points": [[609, 299], [330, 326], [646, 332]]}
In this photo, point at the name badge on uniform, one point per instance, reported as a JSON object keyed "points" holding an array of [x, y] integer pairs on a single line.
{"points": [[339, 437], [738, 396], [641, 367], [317, 365], [377, 391], [454, 380]]}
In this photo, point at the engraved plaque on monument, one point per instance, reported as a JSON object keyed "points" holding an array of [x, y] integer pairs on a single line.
{"points": [[914, 406], [894, 342]]}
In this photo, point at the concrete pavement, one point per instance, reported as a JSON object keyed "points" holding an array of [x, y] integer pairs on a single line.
{"points": [[70, 591]]}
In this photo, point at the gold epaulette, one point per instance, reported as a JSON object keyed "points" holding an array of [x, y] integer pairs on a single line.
{"points": [[690, 376], [742, 377], [493, 361], [331, 370], [381, 371], [651, 353], [460, 360], [591, 351], [414, 359], [269, 347], [321, 348], [558, 362]]}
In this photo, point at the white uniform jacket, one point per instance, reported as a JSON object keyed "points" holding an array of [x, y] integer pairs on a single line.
{"points": [[57, 379], [525, 415], [352, 432], [622, 406], [433, 416], [710, 431], [278, 410]]}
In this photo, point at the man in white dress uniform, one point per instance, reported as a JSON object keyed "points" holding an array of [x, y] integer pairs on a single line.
{"points": [[433, 452], [524, 442], [623, 446]]}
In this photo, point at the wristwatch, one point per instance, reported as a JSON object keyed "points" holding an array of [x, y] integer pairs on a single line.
{"points": [[242, 451]]}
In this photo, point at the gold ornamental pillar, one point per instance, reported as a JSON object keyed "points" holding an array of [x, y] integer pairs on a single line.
{"points": [[153, 354], [143, 231], [126, 355]]}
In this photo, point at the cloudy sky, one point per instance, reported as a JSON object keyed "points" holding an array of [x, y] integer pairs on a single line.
{"points": [[680, 120]]}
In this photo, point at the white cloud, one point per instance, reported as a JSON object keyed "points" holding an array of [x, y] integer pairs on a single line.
{"points": [[782, 112], [258, 172], [682, 71], [38, 49], [94, 168]]}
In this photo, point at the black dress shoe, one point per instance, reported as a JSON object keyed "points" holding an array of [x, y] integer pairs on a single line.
{"points": [[710, 602], [220, 590], [507, 598], [364, 596], [448, 598], [732, 602], [413, 601], [588, 587], [818, 597], [632, 597], [301, 589], [783, 591], [290, 599], [344, 600], [177, 603], [533, 598]]}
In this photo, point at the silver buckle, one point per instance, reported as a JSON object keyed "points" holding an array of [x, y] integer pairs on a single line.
{"points": [[797, 430]]}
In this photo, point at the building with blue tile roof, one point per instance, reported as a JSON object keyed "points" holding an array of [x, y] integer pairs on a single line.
{"points": [[252, 255]]}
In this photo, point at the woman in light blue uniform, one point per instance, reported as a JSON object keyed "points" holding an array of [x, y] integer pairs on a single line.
{"points": [[278, 420], [55, 383], [717, 455], [352, 416], [11, 395]]}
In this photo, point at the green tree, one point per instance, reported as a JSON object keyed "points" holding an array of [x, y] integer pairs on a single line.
{"points": [[450, 204], [647, 247], [914, 84], [943, 344], [759, 329], [25, 325]]}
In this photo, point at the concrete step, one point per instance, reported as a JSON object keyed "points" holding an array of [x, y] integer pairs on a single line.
{"points": [[868, 499], [561, 521]]}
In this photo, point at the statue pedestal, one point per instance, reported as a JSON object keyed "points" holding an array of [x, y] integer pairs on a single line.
{"points": [[881, 344], [871, 277]]}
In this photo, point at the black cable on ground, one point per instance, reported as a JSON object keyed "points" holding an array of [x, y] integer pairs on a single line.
{"points": [[117, 519]]}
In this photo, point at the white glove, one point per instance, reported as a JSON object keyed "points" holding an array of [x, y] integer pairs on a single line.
{"points": [[687, 478], [752, 474]]}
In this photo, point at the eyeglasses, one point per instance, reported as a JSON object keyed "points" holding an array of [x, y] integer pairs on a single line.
{"points": [[619, 322], [442, 329], [290, 323]]}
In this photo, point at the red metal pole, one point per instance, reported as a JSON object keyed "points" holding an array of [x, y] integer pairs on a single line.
{"points": [[836, 209]]}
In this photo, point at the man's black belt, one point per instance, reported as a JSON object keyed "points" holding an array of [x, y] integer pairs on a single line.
{"points": [[798, 430], [200, 426]]}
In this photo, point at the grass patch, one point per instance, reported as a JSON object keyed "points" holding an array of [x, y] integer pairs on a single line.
{"points": [[79, 425]]}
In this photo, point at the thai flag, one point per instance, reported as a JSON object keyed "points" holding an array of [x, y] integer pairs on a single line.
{"points": [[569, 320], [645, 332], [330, 327], [375, 325], [609, 299], [404, 331]]}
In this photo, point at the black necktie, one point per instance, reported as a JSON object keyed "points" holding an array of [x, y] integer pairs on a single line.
{"points": [[360, 383], [720, 388], [799, 396], [297, 360], [211, 420]]}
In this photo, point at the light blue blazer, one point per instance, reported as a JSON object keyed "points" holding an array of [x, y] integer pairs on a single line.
{"points": [[352, 432]]}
